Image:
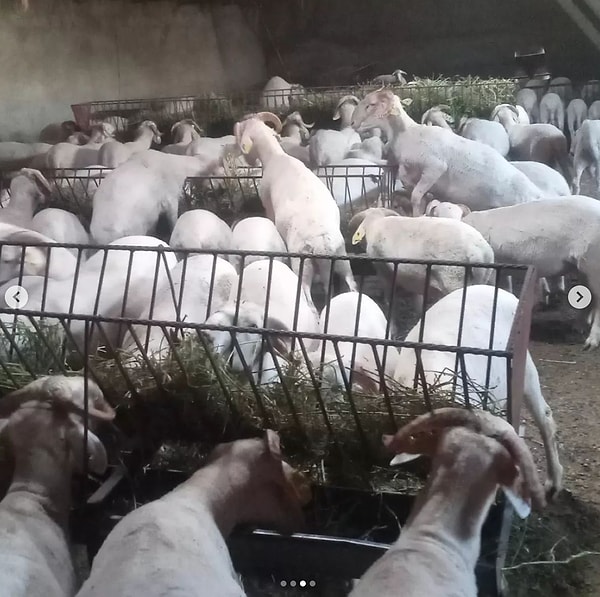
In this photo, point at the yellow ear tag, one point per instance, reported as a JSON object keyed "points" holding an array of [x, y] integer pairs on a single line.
{"points": [[246, 146], [358, 235]]}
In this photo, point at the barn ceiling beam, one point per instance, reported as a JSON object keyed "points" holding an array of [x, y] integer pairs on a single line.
{"points": [[583, 21]]}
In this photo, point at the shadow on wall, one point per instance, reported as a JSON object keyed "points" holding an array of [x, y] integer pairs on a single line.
{"points": [[61, 52]]}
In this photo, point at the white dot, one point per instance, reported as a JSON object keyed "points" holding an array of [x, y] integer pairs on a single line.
{"points": [[283, 584], [292, 583], [302, 583], [312, 583]]}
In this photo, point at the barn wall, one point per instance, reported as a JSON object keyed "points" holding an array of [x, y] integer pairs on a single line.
{"points": [[60, 52]]}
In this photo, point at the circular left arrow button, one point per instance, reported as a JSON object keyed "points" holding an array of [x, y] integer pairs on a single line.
{"points": [[16, 297]]}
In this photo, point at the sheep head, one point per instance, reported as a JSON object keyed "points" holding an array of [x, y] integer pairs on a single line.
{"points": [[400, 75], [505, 114], [37, 411], [348, 100], [179, 128], [374, 109], [151, 125], [273, 491], [295, 120], [444, 209], [437, 116], [31, 179], [252, 125], [449, 435]]}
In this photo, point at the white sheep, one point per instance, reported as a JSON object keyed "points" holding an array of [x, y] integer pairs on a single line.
{"points": [[438, 116], [432, 159], [594, 110], [397, 237], [200, 229], [540, 142], [114, 153], [327, 146], [551, 182], [43, 431], [134, 197], [61, 226], [590, 92], [28, 190], [576, 114], [442, 322], [54, 262], [354, 314], [552, 110], [294, 137], [183, 133], [528, 100], [440, 543], [255, 234], [371, 148], [196, 287], [277, 93], [485, 131], [268, 294], [177, 544], [563, 87], [299, 204], [586, 153], [68, 155]]}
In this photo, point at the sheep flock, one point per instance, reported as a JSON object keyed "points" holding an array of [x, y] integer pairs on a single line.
{"points": [[299, 317]]}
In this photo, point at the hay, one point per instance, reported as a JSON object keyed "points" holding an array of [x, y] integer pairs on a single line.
{"points": [[192, 395]]}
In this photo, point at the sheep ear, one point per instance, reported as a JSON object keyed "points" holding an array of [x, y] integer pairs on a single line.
{"points": [[431, 206], [272, 443], [521, 504], [400, 459], [97, 458], [407, 101], [465, 210], [337, 115]]}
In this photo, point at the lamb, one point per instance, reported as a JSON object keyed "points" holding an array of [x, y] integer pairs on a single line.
{"points": [[294, 136], [267, 296], [420, 238], [552, 110], [68, 155], [197, 286], [539, 142], [442, 322], [181, 537], [432, 159], [137, 195], [328, 146], [397, 77], [44, 433], [576, 114], [17, 260], [299, 204], [255, 234], [183, 133], [61, 226], [488, 132], [200, 229], [586, 152], [277, 93], [528, 100], [354, 314], [28, 189], [438, 116], [562, 87], [591, 91], [440, 542], [594, 110], [14, 155], [548, 180], [113, 153]]}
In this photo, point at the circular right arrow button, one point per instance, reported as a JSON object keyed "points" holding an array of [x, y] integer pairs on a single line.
{"points": [[580, 297]]}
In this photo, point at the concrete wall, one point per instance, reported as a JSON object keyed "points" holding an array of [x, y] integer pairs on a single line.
{"points": [[60, 52]]}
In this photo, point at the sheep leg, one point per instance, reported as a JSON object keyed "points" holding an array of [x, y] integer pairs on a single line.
{"points": [[433, 172], [344, 269], [579, 169], [544, 421]]}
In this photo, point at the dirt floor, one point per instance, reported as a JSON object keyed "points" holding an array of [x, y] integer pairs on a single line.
{"points": [[570, 527]]}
